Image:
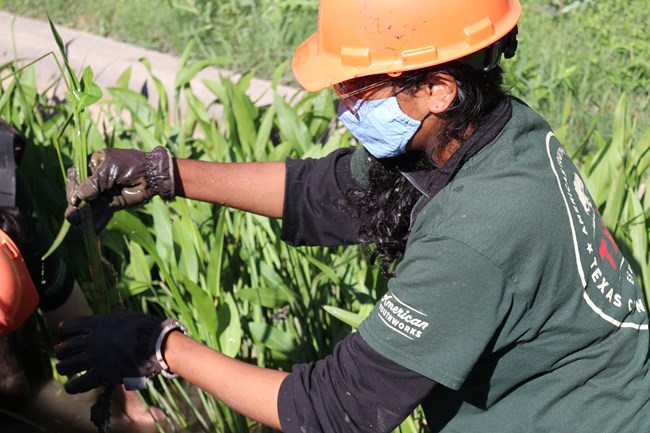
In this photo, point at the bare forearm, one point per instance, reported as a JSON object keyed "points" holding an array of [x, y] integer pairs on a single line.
{"points": [[248, 389], [256, 187]]}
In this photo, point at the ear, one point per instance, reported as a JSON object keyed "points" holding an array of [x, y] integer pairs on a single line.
{"points": [[441, 93]]}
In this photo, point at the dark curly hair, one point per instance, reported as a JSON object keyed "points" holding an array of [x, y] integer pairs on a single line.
{"points": [[389, 197], [13, 224]]}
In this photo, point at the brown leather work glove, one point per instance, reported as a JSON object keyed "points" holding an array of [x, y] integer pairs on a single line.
{"points": [[119, 179]]}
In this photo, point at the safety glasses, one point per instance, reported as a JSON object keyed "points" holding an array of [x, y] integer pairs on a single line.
{"points": [[353, 92], [356, 86]]}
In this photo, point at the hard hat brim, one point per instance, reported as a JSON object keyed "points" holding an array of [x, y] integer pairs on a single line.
{"points": [[354, 45]]}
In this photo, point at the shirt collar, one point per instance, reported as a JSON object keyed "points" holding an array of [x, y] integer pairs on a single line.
{"points": [[429, 180]]}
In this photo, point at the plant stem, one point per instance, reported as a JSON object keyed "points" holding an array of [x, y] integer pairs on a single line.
{"points": [[95, 263]]}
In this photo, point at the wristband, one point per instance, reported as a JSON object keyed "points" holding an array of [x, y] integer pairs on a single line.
{"points": [[159, 165], [169, 325]]}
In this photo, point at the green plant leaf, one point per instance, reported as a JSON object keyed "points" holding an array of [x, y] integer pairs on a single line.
{"points": [[204, 306], [132, 227], [163, 99], [60, 237], [230, 330], [188, 259], [275, 339], [162, 225], [133, 102], [615, 201], [264, 134], [327, 270], [71, 81], [638, 232], [188, 71], [215, 261], [264, 296], [347, 317], [292, 128], [278, 72], [124, 79], [147, 139], [276, 282], [139, 265], [89, 91]]}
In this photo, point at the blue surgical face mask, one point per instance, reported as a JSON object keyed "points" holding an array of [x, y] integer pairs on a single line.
{"points": [[380, 125]]}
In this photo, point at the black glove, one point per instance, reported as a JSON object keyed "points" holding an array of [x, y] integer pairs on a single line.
{"points": [[124, 347], [119, 179]]}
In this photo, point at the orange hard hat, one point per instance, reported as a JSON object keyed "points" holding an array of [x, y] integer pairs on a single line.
{"points": [[365, 37], [18, 296]]}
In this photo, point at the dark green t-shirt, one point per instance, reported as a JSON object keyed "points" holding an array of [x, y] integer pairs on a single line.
{"points": [[513, 294]]}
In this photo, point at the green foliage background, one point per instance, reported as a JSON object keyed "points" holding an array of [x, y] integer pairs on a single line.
{"points": [[582, 64]]}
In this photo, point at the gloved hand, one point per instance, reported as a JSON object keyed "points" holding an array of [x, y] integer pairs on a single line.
{"points": [[119, 179], [124, 347]]}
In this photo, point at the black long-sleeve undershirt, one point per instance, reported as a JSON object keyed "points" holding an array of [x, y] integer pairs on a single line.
{"points": [[353, 390]]}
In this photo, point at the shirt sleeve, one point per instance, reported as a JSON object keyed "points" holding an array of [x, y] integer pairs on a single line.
{"points": [[316, 206], [353, 390], [441, 312]]}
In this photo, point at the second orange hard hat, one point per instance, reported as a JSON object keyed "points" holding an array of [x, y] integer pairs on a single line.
{"points": [[18, 296], [365, 37]]}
